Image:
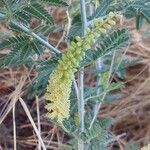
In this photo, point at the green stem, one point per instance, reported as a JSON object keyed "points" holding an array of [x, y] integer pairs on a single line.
{"points": [[2, 16], [81, 76], [30, 32], [98, 106], [83, 16], [81, 99]]}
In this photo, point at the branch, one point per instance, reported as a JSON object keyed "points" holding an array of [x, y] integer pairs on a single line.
{"points": [[83, 16], [81, 73], [81, 76], [30, 32], [2, 16]]}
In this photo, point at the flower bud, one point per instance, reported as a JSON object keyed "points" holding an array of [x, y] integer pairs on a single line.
{"points": [[102, 30], [111, 22], [107, 26], [111, 14], [78, 38]]}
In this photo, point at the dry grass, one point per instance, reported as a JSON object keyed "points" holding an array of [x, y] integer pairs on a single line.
{"points": [[132, 113]]}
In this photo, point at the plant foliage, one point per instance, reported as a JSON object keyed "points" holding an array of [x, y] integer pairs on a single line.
{"points": [[27, 44], [113, 41]]}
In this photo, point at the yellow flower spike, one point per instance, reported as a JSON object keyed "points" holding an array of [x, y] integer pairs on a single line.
{"points": [[60, 81]]}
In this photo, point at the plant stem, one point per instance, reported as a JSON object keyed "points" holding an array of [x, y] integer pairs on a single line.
{"points": [[2, 16], [98, 67], [30, 32], [83, 16], [81, 76], [98, 106], [81, 99]]}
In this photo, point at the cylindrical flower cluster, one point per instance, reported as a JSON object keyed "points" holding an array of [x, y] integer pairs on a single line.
{"points": [[60, 81]]}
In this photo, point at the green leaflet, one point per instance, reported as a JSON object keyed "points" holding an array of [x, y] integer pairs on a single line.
{"points": [[14, 41], [36, 10], [22, 48], [43, 68], [106, 44], [18, 56], [135, 8], [102, 8]]}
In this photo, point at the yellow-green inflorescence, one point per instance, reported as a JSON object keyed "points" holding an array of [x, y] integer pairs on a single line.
{"points": [[60, 81]]}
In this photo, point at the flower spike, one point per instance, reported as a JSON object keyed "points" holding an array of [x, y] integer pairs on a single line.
{"points": [[60, 81]]}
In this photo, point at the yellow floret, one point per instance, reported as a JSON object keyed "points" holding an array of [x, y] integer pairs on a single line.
{"points": [[60, 81]]}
